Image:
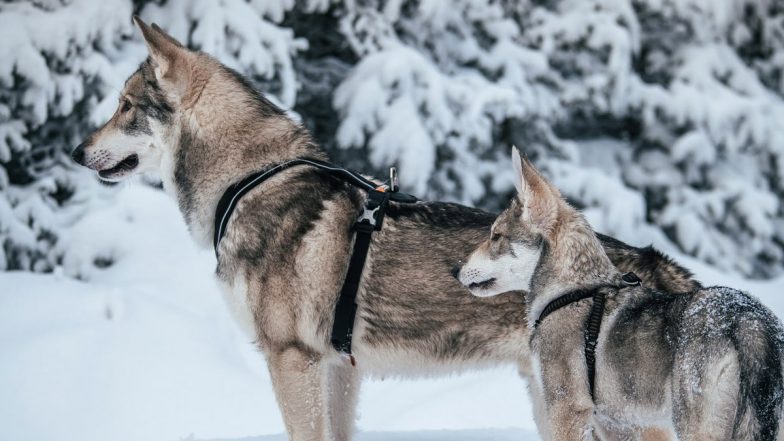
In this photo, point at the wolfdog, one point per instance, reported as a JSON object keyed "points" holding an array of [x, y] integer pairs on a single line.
{"points": [[282, 261], [706, 364]]}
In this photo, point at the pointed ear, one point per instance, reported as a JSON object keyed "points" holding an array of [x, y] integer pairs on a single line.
{"points": [[165, 35], [518, 168], [540, 200], [164, 49]]}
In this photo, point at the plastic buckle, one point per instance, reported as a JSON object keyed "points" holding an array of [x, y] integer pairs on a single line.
{"points": [[369, 216]]}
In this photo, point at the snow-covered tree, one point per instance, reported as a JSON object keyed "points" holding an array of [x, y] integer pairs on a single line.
{"points": [[56, 60], [662, 118]]}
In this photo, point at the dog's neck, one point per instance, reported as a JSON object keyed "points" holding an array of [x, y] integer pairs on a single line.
{"points": [[218, 140], [572, 260]]}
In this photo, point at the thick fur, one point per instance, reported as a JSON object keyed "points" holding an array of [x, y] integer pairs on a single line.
{"points": [[704, 364], [282, 262]]}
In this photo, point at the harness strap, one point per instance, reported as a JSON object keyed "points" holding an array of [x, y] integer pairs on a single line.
{"points": [[235, 192], [346, 308], [594, 323], [591, 335], [566, 299]]}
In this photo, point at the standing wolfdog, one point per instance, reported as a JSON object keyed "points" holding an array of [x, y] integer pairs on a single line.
{"points": [[706, 364], [283, 259]]}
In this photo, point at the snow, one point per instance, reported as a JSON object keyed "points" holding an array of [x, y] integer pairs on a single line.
{"points": [[431, 435], [28, 34], [145, 348]]}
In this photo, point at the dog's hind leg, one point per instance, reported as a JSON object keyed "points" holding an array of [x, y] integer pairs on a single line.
{"points": [[706, 391], [299, 378], [343, 388]]}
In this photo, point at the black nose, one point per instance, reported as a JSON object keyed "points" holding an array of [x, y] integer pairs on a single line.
{"points": [[456, 270], [78, 154]]}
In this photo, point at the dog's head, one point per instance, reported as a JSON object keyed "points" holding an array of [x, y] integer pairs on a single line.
{"points": [[132, 141], [507, 259]]}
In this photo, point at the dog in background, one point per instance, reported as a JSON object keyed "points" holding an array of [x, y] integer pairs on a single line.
{"points": [[705, 365]]}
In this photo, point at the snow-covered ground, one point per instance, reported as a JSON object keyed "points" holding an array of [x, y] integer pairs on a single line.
{"points": [[144, 349], [424, 435]]}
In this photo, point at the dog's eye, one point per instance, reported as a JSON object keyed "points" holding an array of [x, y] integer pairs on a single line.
{"points": [[495, 237], [126, 106]]}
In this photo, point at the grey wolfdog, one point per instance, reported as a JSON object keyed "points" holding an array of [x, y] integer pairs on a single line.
{"points": [[201, 128], [706, 365]]}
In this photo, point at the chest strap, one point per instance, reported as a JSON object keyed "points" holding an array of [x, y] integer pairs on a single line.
{"points": [[594, 323], [370, 220]]}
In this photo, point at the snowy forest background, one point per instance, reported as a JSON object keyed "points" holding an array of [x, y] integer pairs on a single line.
{"points": [[662, 119], [665, 118]]}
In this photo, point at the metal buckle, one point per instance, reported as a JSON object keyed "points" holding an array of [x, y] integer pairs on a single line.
{"points": [[631, 279], [393, 183]]}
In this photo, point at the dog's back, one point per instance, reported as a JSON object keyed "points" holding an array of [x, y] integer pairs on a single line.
{"points": [[656, 269]]}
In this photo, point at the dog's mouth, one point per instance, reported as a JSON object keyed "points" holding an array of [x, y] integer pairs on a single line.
{"points": [[122, 168], [485, 284]]}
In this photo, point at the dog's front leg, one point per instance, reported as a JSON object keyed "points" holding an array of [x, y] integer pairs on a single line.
{"points": [[567, 399], [298, 377], [539, 407], [570, 423], [343, 383]]}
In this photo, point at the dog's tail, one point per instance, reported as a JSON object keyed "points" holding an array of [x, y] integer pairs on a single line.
{"points": [[757, 341]]}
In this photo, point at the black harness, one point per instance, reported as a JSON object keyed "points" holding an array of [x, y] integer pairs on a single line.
{"points": [[594, 322], [370, 220]]}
